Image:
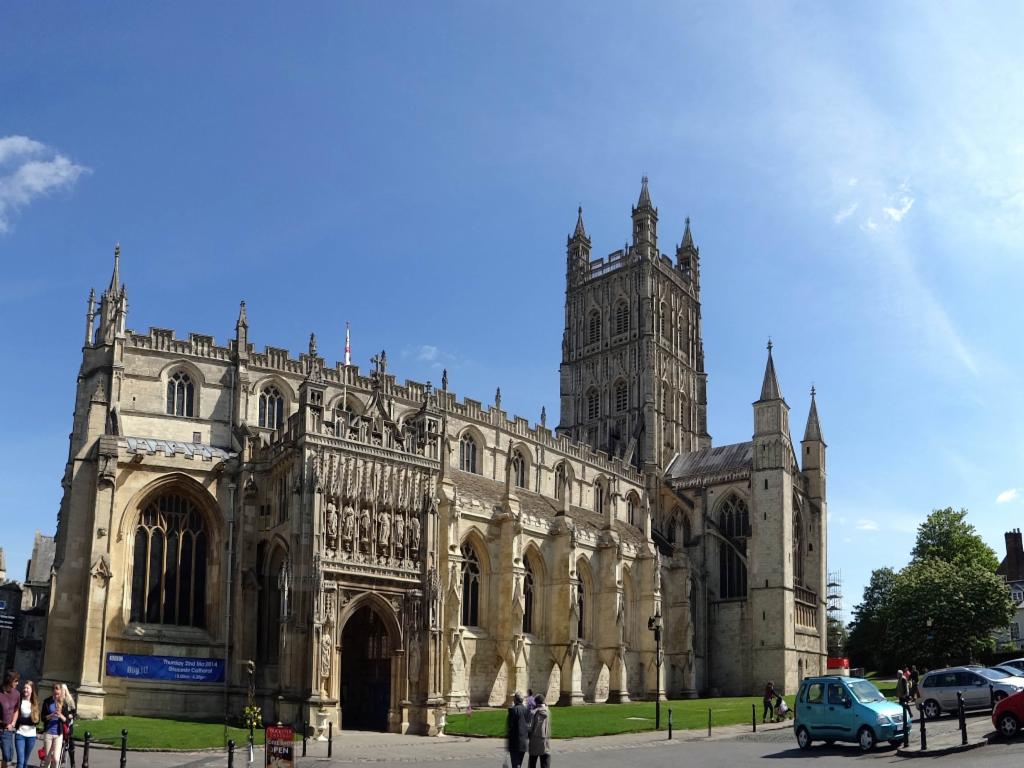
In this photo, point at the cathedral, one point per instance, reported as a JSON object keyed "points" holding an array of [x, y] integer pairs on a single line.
{"points": [[353, 550]]}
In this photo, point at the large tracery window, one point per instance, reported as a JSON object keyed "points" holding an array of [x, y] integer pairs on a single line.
{"points": [[181, 395], [467, 454], [593, 404], [470, 586], [527, 597], [621, 397], [621, 317], [599, 496], [563, 483], [169, 564], [271, 408], [518, 469], [581, 603], [631, 508], [798, 546], [734, 523], [594, 327]]}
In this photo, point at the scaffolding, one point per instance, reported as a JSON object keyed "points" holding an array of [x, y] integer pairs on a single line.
{"points": [[834, 609]]}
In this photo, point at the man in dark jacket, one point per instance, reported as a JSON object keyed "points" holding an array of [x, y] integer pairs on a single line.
{"points": [[518, 732]]}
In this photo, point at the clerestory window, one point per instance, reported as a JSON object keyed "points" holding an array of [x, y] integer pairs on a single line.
{"points": [[271, 408], [470, 586], [467, 454], [181, 395]]}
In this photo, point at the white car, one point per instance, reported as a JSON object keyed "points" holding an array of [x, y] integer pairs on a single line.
{"points": [[939, 688]]}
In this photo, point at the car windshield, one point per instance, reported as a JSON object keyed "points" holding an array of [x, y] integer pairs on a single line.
{"points": [[992, 674], [866, 692]]}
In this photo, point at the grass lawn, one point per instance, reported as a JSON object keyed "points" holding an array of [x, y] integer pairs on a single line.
{"points": [[604, 719], [150, 732]]}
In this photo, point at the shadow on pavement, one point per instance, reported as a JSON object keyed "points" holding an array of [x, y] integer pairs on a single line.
{"points": [[825, 750]]}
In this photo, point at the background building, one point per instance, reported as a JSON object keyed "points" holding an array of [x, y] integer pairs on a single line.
{"points": [[385, 550]]}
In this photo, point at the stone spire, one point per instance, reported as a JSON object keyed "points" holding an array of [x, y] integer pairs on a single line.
{"points": [[581, 231], [770, 388], [813, 430], [115, 277], [243, 318], [687, 237], [645, 196]]}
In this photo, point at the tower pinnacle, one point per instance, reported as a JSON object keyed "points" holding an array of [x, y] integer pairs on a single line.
{"points": [[645, 195], [770, 386], [115, 277], [581, 232], [687, 237], [813, 430]]}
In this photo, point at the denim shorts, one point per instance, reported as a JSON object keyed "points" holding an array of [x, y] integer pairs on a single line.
{"points": [[7, 745]]}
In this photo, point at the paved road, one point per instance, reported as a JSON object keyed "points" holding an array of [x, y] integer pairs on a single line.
{"points": [[728, 749]]}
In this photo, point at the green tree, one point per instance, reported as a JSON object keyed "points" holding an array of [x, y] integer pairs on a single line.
{"points": [[946, 535], [940, 613], [865, 643]]}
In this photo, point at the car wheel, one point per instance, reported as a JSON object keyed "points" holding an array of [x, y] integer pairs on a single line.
{"points": [[803, 738], [932, 709], [1008, 725], [866, 739]]}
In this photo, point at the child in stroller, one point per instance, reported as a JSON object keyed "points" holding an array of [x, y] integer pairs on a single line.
{"points": [[782, 709]]}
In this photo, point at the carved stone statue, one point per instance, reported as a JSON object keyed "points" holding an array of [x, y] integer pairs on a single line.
{"points": [[325, 657], [399, 534], [433, 598], [383, 532], [348, 526], [364, 528], [332, 526], [284, 585], [414, 535]]}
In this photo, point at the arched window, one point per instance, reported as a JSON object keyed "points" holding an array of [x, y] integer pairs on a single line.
{"points": [[271, 408], [593, 404], [467, 454], [470, 586], [518, 469], [581, 607], [663, 327], [594, 327], [527, 597], [621, 317], [599, 496], [169, 564], [621, 397], [798, 548], [563, 483], [631, 508], [687, 534], [181, 395], [734, 523]]}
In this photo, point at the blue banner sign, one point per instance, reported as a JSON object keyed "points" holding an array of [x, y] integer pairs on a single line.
{"points": [[184, 668]]}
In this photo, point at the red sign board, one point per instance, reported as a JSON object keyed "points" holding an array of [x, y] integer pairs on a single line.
{"points": [[280, 746], [838, 663]]}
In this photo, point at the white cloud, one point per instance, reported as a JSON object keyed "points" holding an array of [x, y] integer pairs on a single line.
{"points": [[426, 353], [29, 169], [1006, 496], [869, 225], [845, 213], [866, 525], [897, 214]]}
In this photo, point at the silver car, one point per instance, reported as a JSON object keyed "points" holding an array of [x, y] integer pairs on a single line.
{"points": [[939, 688]]}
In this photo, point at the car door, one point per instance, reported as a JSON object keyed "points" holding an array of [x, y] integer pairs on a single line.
{"points": [[839, 711], [810, 708], [945, 690], [975, 689]]}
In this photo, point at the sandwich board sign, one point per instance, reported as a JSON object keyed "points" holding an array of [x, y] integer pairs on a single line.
{"points": [[280, 749]]}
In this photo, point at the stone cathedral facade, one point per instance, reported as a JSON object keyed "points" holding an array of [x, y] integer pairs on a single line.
{"points": [[384, 552]]}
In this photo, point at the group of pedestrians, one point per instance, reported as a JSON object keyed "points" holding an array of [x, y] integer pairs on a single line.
{"points": [[21, 716], [529, 730], [907, 680]]}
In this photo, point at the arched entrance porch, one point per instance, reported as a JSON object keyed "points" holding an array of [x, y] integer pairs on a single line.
{"points": [[369, 669]]}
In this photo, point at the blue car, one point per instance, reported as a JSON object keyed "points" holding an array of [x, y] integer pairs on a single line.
{"points": [[834, 708]]}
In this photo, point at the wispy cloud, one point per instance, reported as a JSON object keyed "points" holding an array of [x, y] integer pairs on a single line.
{"points": [[29, 169], [845, 213], [866, 525], [897, 214], [426, 353], [1005, 496]]}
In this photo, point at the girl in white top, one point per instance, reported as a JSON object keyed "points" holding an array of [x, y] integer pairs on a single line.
{"points": [[25, 721]]}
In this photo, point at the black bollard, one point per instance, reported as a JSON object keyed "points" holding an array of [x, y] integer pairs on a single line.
{"points": [[85, 750], [709, 723], [906, 724], [963, 717], [753, 716], [330, 737], [924, 728], [124, 747], [231, 753], [670, 723], [305, 733], [991, 696]]}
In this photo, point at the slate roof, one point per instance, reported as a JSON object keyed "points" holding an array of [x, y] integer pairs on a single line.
{"points": [[151, 445], [43, 551], [492, 493], [711, 463]]}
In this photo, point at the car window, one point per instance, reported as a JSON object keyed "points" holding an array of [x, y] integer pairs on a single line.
{"points": [[866, 692], [967, 678], [994, 674], [942, 680], [836, 693], [814, 693]]}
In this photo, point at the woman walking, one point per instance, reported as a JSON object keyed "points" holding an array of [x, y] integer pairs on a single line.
{"points": [[9, 700], [55, 714], [769, 702], [540, 734], [69, 731], [25, 722]]}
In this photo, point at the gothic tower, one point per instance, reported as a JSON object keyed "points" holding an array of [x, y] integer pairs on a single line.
{"points": [[632, 378]]}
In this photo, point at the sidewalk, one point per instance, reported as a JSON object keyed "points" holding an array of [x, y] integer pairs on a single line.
{"points": [[944, 736]]}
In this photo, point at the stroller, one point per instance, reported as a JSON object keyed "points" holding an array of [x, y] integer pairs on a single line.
{"points": [[782, 709]]}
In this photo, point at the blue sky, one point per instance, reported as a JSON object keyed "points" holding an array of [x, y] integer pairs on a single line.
{"points": [[854, 174]]}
